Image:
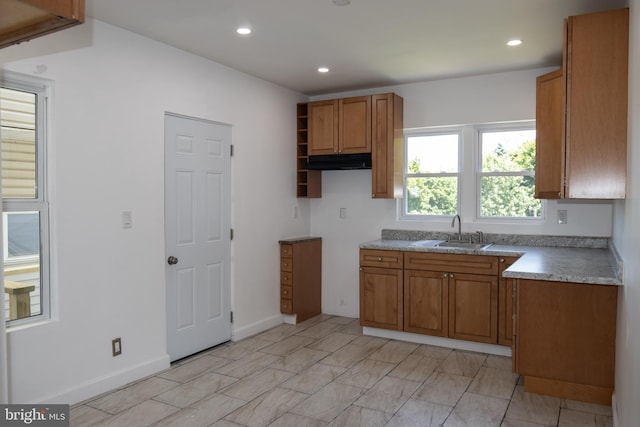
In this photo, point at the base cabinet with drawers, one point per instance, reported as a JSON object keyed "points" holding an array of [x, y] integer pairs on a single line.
{"points": [[447, 295], [381, 289], [301, 277]]}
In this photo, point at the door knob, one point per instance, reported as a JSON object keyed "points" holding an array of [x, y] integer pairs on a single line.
{"points": [[172, 260]]}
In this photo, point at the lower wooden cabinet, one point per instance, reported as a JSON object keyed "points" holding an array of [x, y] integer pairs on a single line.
{"points": [[430, 293], [381, 298], [473, 307], [505, 303], [301, 277], [426, 302], [565, 339], [381, 289]]}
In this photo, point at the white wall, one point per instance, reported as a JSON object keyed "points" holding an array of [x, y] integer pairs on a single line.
{"points": [[627, 239], [471, 100], [111, 90]]}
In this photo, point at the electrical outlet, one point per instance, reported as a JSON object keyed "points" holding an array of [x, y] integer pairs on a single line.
{"points": [[116, 347], [343, 213], [562, 216]]}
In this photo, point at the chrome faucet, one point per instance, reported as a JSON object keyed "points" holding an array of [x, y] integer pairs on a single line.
{"points": [[453, 223]]}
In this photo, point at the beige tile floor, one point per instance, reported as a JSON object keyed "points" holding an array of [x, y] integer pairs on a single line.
{"points": [[324, 372]]}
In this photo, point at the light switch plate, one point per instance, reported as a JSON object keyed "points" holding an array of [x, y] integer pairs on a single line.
{"points": [[127, 222]]}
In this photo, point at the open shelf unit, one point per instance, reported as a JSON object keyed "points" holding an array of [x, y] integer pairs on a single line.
{"points": [[308, 182]]}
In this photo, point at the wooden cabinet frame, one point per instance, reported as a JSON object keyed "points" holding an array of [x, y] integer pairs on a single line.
{"points": [[581, 111], [28, 19], [565, 339]]}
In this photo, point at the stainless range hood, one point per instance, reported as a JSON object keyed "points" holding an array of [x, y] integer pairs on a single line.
{"points": [[340, 162]]}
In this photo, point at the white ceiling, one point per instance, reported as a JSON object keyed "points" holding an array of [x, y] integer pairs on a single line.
{"points": [[367, 43]]}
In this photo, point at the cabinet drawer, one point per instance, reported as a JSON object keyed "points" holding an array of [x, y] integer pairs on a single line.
{"points": [[286, 292], [452, 263], [286, 306], [286, 250], [286, 278], [378, 258], [286, 264]]}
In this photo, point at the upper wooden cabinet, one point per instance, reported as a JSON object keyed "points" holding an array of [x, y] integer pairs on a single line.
{"points": [[387, 146], [24, 20], [363, 124], [581, 112], [340, 126]]}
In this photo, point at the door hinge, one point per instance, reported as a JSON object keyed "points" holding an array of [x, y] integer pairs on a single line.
{"points": [[231, 150], [231, 316], [231, 234]]}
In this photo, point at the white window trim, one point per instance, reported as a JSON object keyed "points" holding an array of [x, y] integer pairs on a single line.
{"points": [[44, 89], [477, 161], [469, 175], [440, 130]]}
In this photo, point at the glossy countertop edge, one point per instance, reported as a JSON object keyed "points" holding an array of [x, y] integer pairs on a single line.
{"points": [[298, 239], [578, 265]]}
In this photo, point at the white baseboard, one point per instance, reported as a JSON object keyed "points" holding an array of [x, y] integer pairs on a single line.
{"points": [[106, 383], [255, 328], [498, 350]]}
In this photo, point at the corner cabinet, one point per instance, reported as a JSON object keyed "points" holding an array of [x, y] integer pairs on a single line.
{"points": [[581, 112], [506, 303], [566, 339], [301, 277], [23, 20], [363, 124]]}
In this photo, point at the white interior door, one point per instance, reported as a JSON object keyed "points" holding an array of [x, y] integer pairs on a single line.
{"points": [[197, 234]]}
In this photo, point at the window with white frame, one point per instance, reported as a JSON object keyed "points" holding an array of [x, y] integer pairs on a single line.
{"points": [[506, 173], [25, 210], [502, 175], [432, 173]]}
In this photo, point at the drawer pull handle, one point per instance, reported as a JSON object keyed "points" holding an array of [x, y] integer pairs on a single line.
{"points": [[380, 259], [285, 292]]}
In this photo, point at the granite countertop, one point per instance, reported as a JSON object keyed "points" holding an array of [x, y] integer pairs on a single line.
{"points": [[590, 265]]}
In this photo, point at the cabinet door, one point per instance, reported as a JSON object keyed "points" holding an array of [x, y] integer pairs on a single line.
{"points": [[566, 339], [473, 307], [426, 296], [387, 146], [596, 129], [323, 127], [355, 125], [550, 136], [505, 304], [381, 298]]}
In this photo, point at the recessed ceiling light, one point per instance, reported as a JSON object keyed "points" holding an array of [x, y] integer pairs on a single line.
{"points": [[341, 2], [514, 42], [243, 31], [323, 69]]}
